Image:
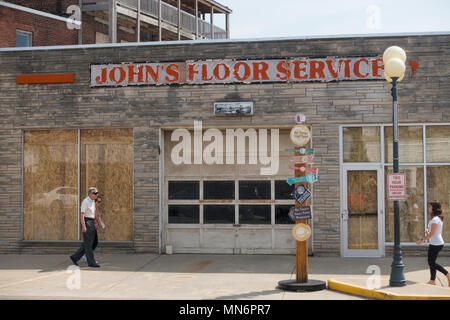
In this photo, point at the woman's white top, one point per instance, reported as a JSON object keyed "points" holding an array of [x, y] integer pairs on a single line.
{"points": [[436, 239]]}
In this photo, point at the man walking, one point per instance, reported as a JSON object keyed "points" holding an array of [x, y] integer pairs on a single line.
{"points": [[87, 214]]}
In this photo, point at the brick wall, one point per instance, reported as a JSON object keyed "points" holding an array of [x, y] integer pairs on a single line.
{"points": [[50, 32], [422, 98], [46, 31]]}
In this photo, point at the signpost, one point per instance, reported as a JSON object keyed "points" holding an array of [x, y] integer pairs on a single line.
{"points": [[300, 135]]}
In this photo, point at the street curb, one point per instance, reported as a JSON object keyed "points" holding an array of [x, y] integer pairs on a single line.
{"points": [[378, 294]]}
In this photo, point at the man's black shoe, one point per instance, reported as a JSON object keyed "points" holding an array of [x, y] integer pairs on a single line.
{"points": [[73, 260], [94, 266]]}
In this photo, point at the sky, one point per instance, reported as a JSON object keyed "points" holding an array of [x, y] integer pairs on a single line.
{"points": [[296, 18]]}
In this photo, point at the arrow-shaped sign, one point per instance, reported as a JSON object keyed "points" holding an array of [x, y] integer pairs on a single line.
{"points": [[310, 178], [303, 169], [301, 150], [302, 159]]}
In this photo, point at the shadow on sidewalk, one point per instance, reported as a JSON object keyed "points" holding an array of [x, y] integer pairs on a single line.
{"points": [[210, 263]]}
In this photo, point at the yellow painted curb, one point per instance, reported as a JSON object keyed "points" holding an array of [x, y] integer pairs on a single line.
{"points": [[378, 294]]}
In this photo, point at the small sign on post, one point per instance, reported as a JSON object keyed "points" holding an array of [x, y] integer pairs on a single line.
{"points": [[397, 186], [300, 213]]}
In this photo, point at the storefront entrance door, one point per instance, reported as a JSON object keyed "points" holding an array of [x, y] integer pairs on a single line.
{"points": [[362, 212]]}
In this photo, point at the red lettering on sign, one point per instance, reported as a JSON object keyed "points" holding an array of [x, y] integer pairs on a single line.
{"points": [[191, 71], [356, 70], [376, 66], [283, 67], [333, 73], [205, 73], [172, 71], [260, 69], [103, 78], [247, 71], [316, 67], [154, 74], [216, 71], [346, 66], [112, 74], [132, 72], [298, 70]]}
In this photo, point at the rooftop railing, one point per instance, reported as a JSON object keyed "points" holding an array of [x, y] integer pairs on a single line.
{"points": [[169, 14]]}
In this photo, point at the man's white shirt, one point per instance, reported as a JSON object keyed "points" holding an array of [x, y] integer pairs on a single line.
{"points": [[88, 208]]}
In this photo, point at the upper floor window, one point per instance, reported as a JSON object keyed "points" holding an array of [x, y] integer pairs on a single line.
{"points": [[24, 38]]}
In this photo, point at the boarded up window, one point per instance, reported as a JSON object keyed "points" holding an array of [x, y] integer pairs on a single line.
{"points": [[51, 185], [438, 189], [411, 210], [107, 164], [362, 144]]}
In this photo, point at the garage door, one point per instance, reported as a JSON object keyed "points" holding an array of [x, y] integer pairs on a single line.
{"points": [[227, 208]]}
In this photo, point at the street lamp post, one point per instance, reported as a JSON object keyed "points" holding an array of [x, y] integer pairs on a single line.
{"points": [[394, 69]]}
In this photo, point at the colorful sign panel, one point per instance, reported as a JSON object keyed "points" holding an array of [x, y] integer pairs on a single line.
{"points": [[310, 178], [397, 186], [237, 71], [302, 159], [301, 150]]}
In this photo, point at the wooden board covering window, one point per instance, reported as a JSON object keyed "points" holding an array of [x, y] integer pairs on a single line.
{"points": [[362, 203], [107, 164], [51, 185]]}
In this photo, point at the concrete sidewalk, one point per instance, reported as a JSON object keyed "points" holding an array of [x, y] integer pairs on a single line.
{"points": [[195, 276]]}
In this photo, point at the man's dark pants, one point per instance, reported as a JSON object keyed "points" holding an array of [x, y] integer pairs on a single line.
{"points": [[88, 243]]}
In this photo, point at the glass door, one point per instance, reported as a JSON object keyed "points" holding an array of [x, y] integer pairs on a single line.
{"points": [[362, 213]]}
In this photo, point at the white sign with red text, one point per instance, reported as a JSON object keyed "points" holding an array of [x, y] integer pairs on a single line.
{"points": [[397, 186], [237, 71]]}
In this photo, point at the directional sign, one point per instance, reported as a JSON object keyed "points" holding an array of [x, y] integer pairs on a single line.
{"points": [[304, 169], [310, 178], [300, 194], [301, 150], [300, 213], [302, 159]]}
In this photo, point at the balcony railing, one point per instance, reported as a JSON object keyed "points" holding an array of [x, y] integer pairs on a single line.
{"points": [[169, 14]]}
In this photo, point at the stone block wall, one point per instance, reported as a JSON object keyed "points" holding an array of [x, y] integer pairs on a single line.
{"points": [[422, 98]]}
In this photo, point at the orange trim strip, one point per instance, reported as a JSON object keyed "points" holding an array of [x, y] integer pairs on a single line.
{"points": [[45, 78]]}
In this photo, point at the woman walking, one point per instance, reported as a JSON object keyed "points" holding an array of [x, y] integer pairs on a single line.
{"points": [[434, 234]]}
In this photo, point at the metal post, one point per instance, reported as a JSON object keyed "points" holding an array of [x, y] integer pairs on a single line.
{"points": [[179, 19], [159, 21], [113, 21], [397, 278], [196, 19], [80, 31], [212, 22], [227, 24], [138, 23]]}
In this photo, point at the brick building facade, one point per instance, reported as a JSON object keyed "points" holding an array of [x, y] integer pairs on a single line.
{"points": [[47, 31], [120, 139]]}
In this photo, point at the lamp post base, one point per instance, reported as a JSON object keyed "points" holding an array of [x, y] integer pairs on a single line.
{"points": [[397, 277], [309, 286]]}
